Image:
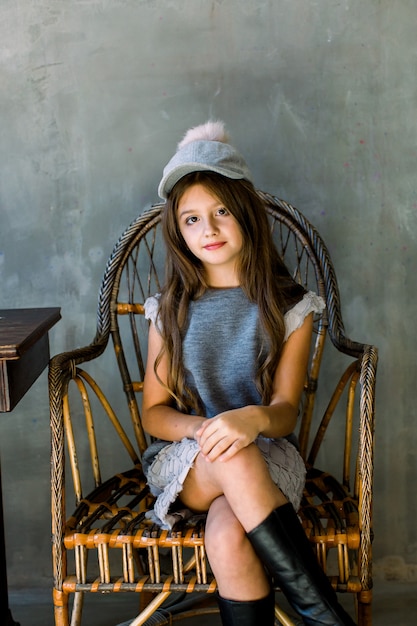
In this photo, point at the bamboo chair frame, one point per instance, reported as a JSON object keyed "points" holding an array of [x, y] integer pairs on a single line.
{"points": [[109, 523]]}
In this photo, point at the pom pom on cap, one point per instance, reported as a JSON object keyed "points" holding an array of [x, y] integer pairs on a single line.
{"points": [[210, 131]]}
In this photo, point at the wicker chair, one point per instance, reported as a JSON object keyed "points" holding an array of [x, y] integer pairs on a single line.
{"points": [[106, 544]]}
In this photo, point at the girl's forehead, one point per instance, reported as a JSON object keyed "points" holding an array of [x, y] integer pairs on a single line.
{"points": [[198, 195]]}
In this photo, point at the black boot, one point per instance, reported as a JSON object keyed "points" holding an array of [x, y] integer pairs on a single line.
{"points": [[250, 613], [283, 547]]}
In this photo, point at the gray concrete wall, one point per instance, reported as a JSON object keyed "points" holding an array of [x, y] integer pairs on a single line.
{"points": [[320, 97]]}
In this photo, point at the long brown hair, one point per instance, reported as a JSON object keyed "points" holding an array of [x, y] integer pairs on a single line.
{"points": [[263, 277]]}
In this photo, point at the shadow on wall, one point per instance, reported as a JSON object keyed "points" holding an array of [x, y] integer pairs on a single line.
{"points": [[394, 568]]}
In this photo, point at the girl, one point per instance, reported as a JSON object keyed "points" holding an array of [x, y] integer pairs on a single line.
{"points": [[228, 348]]}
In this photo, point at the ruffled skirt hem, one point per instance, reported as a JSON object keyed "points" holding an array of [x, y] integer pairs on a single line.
{"points": [[167, 464]]}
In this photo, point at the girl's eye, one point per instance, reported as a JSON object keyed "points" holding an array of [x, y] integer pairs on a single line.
{"points": [[191, 220], [223, 211]]}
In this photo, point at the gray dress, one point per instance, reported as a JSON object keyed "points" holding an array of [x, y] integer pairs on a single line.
{"points": [[222, 344]]}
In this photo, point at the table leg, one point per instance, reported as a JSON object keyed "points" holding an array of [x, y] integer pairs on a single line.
{"points": [[6, 618]]}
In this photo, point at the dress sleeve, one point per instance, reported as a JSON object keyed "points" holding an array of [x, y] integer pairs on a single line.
{"points": [[151, 309], [294, 318]]}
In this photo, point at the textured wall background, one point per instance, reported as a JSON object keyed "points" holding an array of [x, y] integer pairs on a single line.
{"points": [[321, 99]]}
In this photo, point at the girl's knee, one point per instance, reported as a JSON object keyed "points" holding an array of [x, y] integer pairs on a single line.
{"points": [[248, 458], [223, 531]]}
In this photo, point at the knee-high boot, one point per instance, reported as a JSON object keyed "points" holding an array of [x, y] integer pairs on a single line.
{"points": [[283, 547], [249, 613]]}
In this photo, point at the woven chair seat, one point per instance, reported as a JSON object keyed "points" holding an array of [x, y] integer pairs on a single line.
{"points": [[112, 518]]}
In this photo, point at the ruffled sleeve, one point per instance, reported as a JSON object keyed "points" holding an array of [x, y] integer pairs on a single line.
{"points": [[294, 318], [151, 309]]}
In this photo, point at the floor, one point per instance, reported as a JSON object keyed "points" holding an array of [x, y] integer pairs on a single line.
{"points": [[394, 604]]}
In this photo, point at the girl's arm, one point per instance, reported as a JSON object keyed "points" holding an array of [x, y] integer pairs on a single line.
{"points": [[222, 436], [289, 380], [160, 419]]}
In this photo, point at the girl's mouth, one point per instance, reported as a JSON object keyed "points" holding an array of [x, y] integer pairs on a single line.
{"points": [[214, 246]]}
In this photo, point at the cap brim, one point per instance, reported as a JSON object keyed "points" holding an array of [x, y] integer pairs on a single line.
{"points": [[169, 181], [203, 156]]}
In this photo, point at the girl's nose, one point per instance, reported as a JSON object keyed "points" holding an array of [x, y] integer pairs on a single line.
{"points": [[210, 228]]}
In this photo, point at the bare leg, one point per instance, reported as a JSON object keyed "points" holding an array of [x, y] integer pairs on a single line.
{"points": [[245, 482], [273, 529], [239, 573]]}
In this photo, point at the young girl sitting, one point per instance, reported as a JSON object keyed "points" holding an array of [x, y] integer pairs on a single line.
{"points": [[229, 342]]}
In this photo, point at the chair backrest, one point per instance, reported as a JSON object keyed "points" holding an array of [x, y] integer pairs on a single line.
{"points": [[135, 270]]}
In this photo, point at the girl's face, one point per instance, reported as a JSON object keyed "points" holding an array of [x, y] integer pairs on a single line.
{"points": [[212, 234]]}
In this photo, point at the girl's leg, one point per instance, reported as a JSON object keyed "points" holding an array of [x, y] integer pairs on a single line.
{"points": [[239, 573], [283, 547], [245, 596], [273, 529]]}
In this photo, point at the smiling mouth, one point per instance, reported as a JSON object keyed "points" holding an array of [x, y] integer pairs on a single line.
{"points": [[214, 246]]}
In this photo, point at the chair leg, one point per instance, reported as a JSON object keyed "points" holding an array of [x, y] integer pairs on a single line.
{"points": [[77, 608], [60, 608], [364, 606]]}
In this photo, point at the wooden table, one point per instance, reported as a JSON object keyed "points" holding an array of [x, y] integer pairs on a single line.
{"points": [[24, 354]]}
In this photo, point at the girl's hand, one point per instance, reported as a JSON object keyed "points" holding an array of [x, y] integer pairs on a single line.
{"points": [[222, 436]]}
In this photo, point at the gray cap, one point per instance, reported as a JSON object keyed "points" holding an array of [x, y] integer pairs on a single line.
{"points": [[203, 155]]}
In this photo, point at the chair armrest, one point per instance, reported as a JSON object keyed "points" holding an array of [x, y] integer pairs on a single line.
{"points": [[62, 368], [365, 472]]}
